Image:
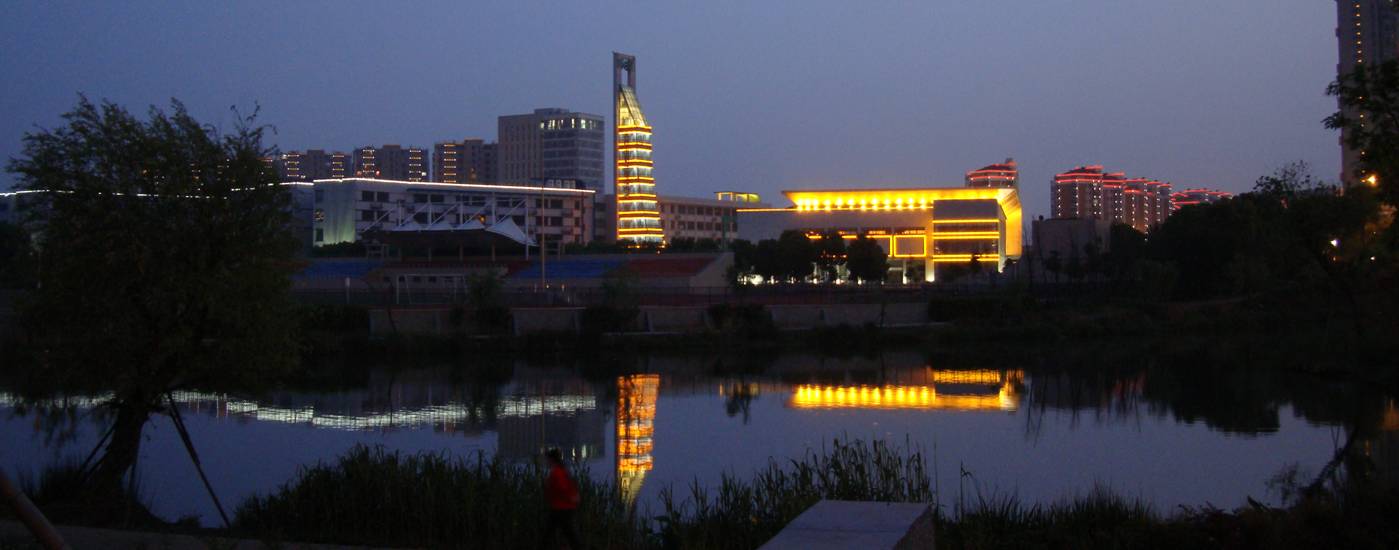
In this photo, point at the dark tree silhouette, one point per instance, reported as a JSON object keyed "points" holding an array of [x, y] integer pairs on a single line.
{"points": [[866, 260], [167, 255]]}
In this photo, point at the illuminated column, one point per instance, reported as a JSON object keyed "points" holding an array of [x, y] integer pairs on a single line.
{"points": [[638, 214], [636, 416]]}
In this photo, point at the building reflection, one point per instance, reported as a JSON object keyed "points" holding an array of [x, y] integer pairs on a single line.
{"points": [[575, 428], [636, 416], [952, 389]]}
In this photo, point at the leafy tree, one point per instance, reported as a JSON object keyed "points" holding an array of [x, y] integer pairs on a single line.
{"points": [[767, 261], [17, 258], [744, 256], [796, 255], [866, 260], [1369, 97], [830, 254], [167, 259], [1126, 246], [974, 266], [681, 244]]}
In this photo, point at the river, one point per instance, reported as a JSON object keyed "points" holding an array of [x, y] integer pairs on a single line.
{"points": [[1171, 436]]}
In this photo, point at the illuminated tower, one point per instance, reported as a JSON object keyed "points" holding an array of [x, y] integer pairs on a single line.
{"points": [[638, 215], [636, 416]]}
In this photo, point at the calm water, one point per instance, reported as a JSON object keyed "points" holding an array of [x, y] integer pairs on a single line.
{"points": [[1172, 436]]}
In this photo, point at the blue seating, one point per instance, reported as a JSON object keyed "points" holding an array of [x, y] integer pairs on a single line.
{"points": [[581, 268], [338, 269]]}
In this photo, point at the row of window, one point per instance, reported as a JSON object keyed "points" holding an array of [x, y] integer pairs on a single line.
{"points": [[703, 226], [697, 210]]}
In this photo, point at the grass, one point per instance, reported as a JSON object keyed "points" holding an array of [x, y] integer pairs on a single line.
{"points": [[373, 497]]}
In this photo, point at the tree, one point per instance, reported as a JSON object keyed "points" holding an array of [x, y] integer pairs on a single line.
{"points": [[1369, 117], [17, 259], [767, 261], [167, 257], [1126, 246], [796, 255], [830, 254], [744, 257], [866, 260]]}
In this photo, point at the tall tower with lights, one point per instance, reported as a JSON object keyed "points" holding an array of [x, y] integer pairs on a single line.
{"points": [[638, 214]]}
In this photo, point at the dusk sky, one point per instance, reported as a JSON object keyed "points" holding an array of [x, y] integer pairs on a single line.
{"points": [[759, 96]]}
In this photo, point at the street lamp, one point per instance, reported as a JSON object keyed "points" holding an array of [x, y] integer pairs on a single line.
{"points": [[1373, 180]]}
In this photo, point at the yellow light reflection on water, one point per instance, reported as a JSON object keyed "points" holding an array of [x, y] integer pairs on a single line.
{"points": [[636, 416], [999, 393]]}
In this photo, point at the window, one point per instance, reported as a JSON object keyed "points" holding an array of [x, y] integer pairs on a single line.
{"points": [[420, 198], [320, 235], [366, 215], [420, 217], [366, 196], [320, 195], [436, 198], [383, 196]]}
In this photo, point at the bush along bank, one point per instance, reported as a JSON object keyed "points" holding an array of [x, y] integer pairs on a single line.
{"points": [[370, 496]]}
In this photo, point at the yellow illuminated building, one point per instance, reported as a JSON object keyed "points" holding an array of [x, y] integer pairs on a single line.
{"points": [[636, 416], [991, 390], [938, 225], [638, 211]]}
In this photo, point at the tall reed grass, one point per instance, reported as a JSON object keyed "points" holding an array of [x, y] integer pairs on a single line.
{"points": [[371, 496]]}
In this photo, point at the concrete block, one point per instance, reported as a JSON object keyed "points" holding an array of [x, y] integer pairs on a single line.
{"points": [[675, 319], [845, 524], [530, 320]]}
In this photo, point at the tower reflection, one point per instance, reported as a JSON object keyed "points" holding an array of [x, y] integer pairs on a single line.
{"points": [[636, 415]]}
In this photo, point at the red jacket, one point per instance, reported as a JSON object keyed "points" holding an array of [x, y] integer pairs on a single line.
{"points": [[560, 490]]}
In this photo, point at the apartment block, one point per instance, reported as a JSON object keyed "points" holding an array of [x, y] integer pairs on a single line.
{"points": [[466, 161], [550, 144], [391, 162]]}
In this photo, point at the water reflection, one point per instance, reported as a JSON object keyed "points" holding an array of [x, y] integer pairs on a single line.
{"points": [[1028, 420], [972, 389], [636, 426]]}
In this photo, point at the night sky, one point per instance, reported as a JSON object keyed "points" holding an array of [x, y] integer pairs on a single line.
{"points": [[756, 96]]}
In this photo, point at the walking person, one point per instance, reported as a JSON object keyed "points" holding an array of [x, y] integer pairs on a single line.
{"points": [[561, 494]]}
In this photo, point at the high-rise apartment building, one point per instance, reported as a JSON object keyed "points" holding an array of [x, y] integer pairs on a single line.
{"points": [[308, 165], [465, 161], [342, 165], [1078, 193], [1191, 197], [1004, 174], [1367, 34], [550, 144], [1087, 192], [391, 162], [638, 211]]}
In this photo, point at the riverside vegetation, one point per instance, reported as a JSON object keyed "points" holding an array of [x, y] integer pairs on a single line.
{"points": [[370, 496]]}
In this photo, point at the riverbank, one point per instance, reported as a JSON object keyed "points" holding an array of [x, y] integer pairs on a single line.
{"points": [[373, 497]]}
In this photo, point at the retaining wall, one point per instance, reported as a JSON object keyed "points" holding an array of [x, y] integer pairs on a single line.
{"points": [[657, 319]]}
